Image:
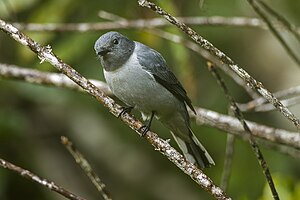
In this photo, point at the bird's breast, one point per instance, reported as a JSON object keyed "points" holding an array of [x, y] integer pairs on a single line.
{"points": [[136, 87], [130, 82]]}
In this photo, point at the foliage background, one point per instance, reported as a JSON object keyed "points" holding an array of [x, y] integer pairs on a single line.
{"points": [[32, 118]]}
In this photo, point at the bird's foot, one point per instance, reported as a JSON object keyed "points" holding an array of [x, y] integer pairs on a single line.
{"points": [[144, 129], [125, 109]]}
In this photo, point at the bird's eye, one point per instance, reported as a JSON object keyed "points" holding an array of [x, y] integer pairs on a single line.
{"points": [[115, 41]]}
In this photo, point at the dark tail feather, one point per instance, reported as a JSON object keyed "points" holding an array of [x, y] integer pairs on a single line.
{"points": [[194, 151]]}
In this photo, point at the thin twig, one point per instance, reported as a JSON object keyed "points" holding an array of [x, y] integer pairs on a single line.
{"points": [[228, 159], [293, 91], [273, 29], [282, 20], [227, 162], [45, 78], [203, 117], [233, 126], [290, 93], [287, 102], [140, 24], [214, 21], [84, 164], [35, 178], [238, 114], [45, 53], [223, 58]]}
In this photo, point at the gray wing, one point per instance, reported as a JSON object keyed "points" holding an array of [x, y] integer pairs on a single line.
{"points": [[154, 63]]}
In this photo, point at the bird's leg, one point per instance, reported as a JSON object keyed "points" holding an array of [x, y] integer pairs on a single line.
{"points": [[146, 127], [125, 109]]}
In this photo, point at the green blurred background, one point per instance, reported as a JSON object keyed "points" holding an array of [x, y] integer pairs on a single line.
{"points": [[32, 118]]}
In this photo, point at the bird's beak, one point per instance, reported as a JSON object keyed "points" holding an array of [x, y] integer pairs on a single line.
{"points": [[103, 51]]}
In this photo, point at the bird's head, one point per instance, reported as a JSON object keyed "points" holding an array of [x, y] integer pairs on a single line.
{"points": [[114, 49]]}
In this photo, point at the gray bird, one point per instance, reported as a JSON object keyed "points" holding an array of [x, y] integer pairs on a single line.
{"points": [[139, 76]]}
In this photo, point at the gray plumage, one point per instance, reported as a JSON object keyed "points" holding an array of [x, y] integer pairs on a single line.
{"points": [[154, 63], [139, 76]]}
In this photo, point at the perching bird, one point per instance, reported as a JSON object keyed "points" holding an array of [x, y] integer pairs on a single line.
{"points": [[139, 76]]}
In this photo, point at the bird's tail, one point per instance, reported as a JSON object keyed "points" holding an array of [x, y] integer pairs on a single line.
{"points": [[194, 151]]}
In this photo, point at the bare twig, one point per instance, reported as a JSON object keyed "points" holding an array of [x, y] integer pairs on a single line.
{"points": [[215, 21], [251, 82], [203, 117], [287, 102], [45, 54], [282, 20], [227, 162], [233, 126], [45, 78], [238, 114], [272, 28], [227, 159], [140, 24], [35, 178], [293, 91], [290, 97], [84, 164]]}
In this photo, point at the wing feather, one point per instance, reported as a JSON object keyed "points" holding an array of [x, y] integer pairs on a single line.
{"points": [[155, 64]]}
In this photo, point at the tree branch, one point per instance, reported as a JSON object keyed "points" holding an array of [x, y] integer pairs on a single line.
{"points": [[215, 21], [233, 126], [289, 97], [141, 24], [223, 58], [45, 78], [227, 162], [272, 28], [45, 53], [35, 178], [269, 107], [239, 115], [84, 164], [204, 117]]}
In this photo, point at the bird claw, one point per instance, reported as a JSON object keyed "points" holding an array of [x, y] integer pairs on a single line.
{"points": [[144, 129], [125, 109]]}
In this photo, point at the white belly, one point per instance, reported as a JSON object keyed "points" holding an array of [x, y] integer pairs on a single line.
{"points": [[136, 87]]}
